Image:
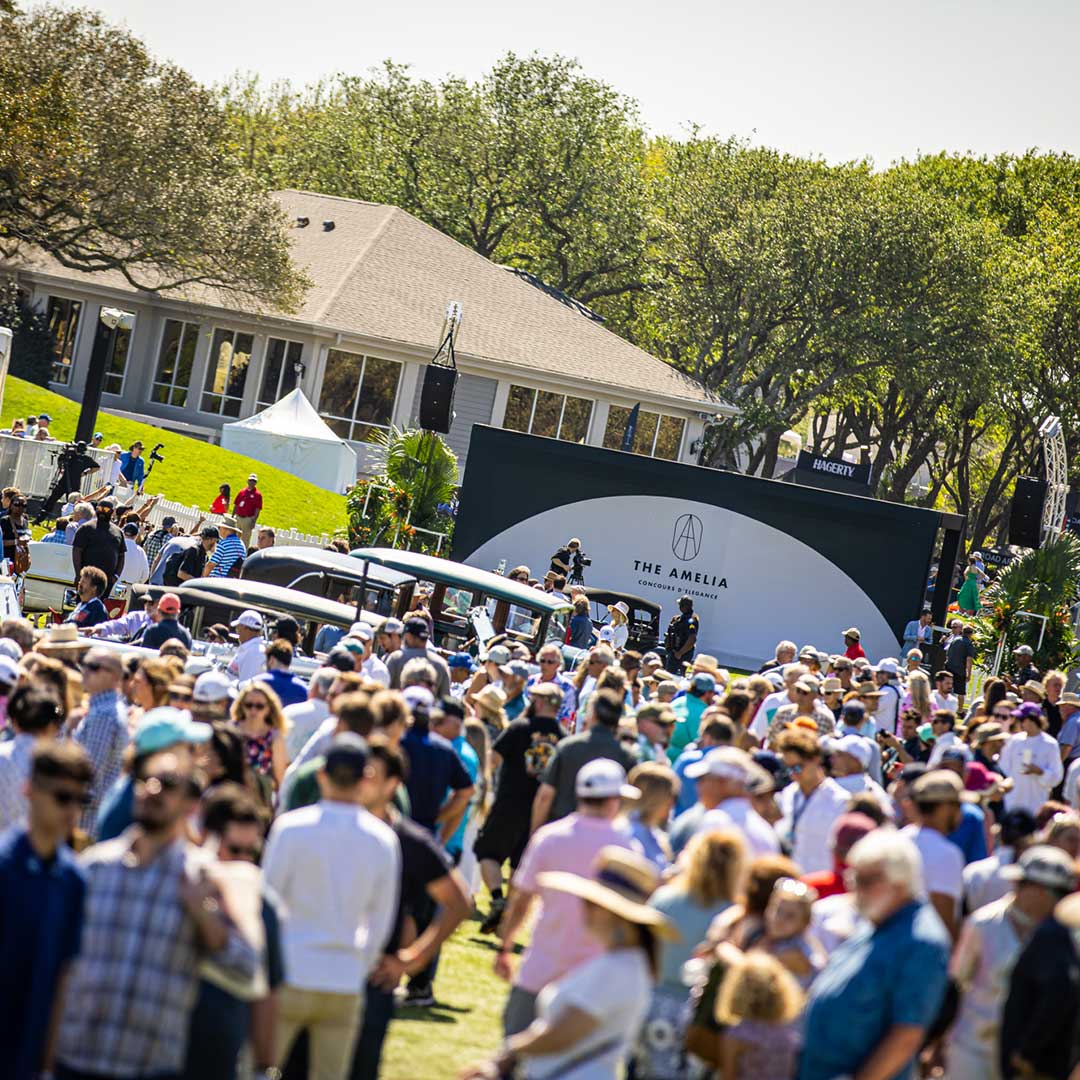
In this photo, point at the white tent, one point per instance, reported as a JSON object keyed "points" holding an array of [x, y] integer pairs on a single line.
{"points": [[292, 436]]}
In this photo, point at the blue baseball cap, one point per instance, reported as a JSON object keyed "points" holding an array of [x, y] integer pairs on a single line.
{"points": [[461, 659], [703, 683], [166, 726]]}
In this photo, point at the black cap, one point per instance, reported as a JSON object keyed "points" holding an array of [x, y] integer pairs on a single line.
{"points": [[347, 756], [417, 627], [131, 529], [452, 707], [210, 533], [912, 771], [1017, 824], [341, 659], [168, 522]]}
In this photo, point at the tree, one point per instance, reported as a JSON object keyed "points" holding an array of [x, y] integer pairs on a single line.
{"points": [[535, 166], [33, 348], [111, 160]]}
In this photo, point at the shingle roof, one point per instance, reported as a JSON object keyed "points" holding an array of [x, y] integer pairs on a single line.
{"points": [[382, 273]]}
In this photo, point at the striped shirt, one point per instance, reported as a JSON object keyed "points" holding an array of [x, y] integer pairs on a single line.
{"points": [[15, 760], [226, 553], [103, 734]]}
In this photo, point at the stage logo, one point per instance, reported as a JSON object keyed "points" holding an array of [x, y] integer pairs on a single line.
{"points": [[686, 537]]}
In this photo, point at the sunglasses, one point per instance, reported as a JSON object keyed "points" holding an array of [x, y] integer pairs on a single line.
{"points": [[549, 660], [251, 854], [67, 797], [258, 706], [94, 665], [156, 784]]}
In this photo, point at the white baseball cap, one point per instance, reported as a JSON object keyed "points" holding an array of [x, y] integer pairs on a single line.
{"points": [[9, 670], [362, 631], [251, 619], [607, 633], [211, 686], [857, 747], [889, 666], [603, 779], [725, 763]]}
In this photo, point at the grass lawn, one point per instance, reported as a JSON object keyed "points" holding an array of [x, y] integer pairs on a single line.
{"points": [[465, 1026], [192, 470]]}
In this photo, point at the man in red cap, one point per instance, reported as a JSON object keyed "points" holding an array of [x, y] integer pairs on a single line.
{"points": [[168, 627]]}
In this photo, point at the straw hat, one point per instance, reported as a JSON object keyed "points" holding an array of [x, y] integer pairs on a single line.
{"points": [[490, 700], [623, 884], [705, 662], [62, 637]]}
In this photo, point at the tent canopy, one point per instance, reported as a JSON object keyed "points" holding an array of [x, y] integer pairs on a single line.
{"points": [[292, 436]]}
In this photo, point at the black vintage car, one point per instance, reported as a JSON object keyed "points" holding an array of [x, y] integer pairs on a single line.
{"points": [[644, 618]]}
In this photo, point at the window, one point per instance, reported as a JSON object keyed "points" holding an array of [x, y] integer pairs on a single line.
{"points": [[656, 435], [63, 315], [358, 394], [176, 358], [118, 354], [540, 412], [279, 370], [226, 372]]}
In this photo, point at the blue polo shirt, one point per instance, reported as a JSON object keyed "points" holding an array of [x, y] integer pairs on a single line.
{"points": [[287, 686], [41, 916], [688, 785], [434, 767], [883, 975], [970, 835]]}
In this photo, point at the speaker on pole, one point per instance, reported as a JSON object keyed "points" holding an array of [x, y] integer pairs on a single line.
{"points": [[1025, 519], [437, 398]]}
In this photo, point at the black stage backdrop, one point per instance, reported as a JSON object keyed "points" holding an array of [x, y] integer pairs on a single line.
{"points": [[762, 559]]}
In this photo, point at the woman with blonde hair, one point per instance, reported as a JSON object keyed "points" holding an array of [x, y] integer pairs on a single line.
{"points": [[489, 706], [917, 697], [148, 687], [620, 624], [659, 787], [258, 716], [711, 871], [759, 1003]]}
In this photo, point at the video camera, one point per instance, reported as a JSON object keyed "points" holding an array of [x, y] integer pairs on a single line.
{"points": [[155, 454]]}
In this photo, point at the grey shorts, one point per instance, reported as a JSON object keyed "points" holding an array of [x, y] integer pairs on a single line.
{"points": [[520, 1011]]}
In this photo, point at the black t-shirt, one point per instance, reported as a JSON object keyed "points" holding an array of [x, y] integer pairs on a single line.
{"points": [[193, 562], [422, 862], [102, 546], [561, 556], [525, 746], [679, 631], [956, 654], [74, 469], [1027, 674]]}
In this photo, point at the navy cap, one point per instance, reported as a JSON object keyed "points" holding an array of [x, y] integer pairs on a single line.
{"points": [[348, 755], [855, 708], [417, 627]]}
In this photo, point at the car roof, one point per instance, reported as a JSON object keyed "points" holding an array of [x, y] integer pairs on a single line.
{"points": [[606, 596], [434, 568], [333, 563]]}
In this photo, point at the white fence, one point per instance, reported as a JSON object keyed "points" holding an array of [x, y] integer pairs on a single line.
{"points": [[190, 516]]}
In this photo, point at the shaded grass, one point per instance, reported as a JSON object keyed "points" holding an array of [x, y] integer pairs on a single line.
{"points": [[192, 470]]}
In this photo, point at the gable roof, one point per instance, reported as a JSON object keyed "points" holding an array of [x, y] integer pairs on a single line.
{"points": [[294, 416], [382, 273]]}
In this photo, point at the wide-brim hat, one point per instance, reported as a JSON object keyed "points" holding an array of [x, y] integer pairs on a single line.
{"points": [[1033, 686], [229, 522], [624, 882], [490, 700], [621, 607], [705, 662], [853, 632], [63, 637]]}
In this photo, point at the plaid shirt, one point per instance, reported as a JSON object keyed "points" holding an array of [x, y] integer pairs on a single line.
{"points": [[226, 553], [155, 542], [103, 733], [15, 757], [133, 987]]}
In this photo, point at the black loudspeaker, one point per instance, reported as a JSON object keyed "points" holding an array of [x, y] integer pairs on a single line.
{"points": [[1025, 519], [437, 398]]}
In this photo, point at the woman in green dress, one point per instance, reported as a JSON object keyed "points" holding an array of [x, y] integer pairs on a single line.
{"points": [[968, 598]]}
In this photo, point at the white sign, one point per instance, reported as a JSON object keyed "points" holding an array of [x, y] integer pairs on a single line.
{"points": [[752, 585]]}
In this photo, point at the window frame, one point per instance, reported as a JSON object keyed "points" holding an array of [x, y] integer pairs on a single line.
{"points": [[660, 417], [211, 370], [260, 401], [109, 373], [173, 385], [536, 391], [352, 421], [70, 342]]}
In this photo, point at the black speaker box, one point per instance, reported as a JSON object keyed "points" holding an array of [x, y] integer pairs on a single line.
{"points": [[437, 398], [1025, 519]]}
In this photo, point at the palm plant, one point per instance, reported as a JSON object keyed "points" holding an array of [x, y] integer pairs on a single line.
{"points": [[1042, 582]]}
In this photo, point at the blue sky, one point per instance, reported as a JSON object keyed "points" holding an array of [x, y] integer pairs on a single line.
{"points": [[828, 77]]}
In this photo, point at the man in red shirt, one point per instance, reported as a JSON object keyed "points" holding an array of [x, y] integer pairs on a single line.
{"points": [[852, 649], [247, 507]]}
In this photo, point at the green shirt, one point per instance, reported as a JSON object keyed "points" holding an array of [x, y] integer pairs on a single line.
{"points": [[305, 788]]}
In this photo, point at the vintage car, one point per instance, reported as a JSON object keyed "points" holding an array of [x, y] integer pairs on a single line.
{"points": [[49, 584], [644, 619], [470, 606], [329, 574]]}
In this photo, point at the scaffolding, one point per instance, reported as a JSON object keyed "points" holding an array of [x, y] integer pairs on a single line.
{"points": [[1056, 467]]}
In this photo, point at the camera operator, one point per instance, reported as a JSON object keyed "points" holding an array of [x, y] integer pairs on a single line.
{"points": [[570, 562], [74, 463]]}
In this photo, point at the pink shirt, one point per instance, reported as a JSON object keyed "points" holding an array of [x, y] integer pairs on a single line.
{"points": [[559, 939]]}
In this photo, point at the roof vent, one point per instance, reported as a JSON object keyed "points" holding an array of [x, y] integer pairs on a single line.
{"points": [[303, 222], [327, 226]]}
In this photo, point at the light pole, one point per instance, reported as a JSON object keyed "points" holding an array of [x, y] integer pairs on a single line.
{"points": [[1056, 472]]}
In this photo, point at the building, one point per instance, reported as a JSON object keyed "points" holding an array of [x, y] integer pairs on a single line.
{"points": [[529, 361]]}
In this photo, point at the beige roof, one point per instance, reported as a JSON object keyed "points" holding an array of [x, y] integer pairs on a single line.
{"points": [[382, 273]]}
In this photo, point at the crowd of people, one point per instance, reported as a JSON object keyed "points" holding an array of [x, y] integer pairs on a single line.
{"points": [[831, 867]]}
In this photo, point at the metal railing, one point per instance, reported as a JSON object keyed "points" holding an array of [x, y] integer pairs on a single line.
{"points": [[439, 536]]}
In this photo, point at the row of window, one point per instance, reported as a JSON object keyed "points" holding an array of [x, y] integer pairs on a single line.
{"points": [[358, 392]]}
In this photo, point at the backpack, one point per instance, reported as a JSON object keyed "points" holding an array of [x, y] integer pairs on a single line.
{"points": [[172, 567], [21, 559]]}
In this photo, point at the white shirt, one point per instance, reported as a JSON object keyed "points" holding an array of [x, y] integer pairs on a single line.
{"points": [[619, 634], [941, 744], [317, 744], [943, 862], [304, 717], [373, 668], [859, 782], [1030, 792], [614, 988], [136, 566], [833, 919], [759, 727], [739, 814], [983, 883], [944, 701], [888, 707], [809, 822], [338, 869], [248, 660], [1071, 790]]}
